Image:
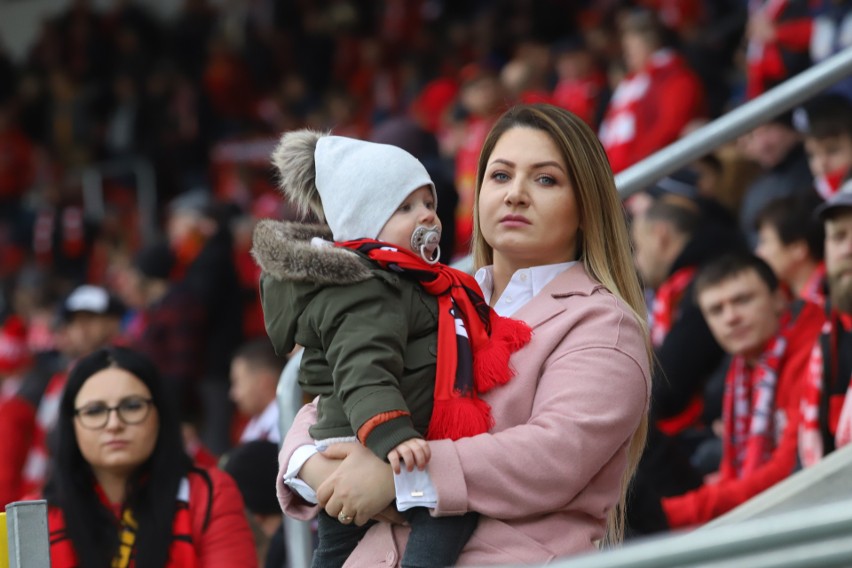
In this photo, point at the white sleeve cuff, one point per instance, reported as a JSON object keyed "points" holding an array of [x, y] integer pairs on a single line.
{"points": [[414, 489], [294, 466]]}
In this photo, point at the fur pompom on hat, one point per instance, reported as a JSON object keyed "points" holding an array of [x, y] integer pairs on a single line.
{"points": [[355, 186]]}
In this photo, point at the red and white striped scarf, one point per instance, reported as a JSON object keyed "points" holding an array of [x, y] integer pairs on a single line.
{"points": [[811, 448], [748, 410], [666, 301]]}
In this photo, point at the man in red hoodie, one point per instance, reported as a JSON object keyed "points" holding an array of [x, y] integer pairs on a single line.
{"points": [[655, 101], [770, 344]]}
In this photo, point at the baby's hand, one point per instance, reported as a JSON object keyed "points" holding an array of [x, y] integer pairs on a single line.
{"points": [[413, 452]]}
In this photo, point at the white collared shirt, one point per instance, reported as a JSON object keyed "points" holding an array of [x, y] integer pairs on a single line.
{"points": [[522, 287], [263, 427]]}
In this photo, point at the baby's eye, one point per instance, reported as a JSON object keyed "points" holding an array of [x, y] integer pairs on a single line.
{"points": [[404, 208]]}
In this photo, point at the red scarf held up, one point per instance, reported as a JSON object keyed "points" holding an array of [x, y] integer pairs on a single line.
{"points": [[474, 343], [748, 410], [666, 300]]}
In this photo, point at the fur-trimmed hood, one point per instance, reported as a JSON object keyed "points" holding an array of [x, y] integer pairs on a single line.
{"points": [[284, 251]]}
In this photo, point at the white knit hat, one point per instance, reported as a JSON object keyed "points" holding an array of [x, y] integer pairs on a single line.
{"points": [[362, 184]]}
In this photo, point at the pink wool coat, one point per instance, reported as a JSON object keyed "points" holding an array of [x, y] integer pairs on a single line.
{"points": [[546, 475]]}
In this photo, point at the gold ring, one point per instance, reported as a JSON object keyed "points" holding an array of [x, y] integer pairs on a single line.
{"points": [[343, 518]]}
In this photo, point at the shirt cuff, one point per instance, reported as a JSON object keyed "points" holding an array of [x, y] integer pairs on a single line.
{"points": [[294, 466], [414, 489]]}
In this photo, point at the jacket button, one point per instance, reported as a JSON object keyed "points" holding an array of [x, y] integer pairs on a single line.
{"points": [[433, 349]]}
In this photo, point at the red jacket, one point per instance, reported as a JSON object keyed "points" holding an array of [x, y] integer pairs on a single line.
{"points": [[650, 109], [17, 428], [226, 540], [711, 500], [773, 62]]}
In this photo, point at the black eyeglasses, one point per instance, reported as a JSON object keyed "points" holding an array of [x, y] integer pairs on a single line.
{"points": [[132, 410]]}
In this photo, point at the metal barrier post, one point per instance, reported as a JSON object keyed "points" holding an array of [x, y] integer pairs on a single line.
{"points": [[297, 534], [29, 543]]}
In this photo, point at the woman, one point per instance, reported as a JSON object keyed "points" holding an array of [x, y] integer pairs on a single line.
{"points": [[550, 478], [123, 491]]}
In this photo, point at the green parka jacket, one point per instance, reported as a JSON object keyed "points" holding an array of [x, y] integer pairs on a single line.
{"points": [[369, 336]]}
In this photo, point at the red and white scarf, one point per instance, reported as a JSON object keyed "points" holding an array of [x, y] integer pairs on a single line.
{"points": [[620, 126], [811, 448], [474, 343], [748, 410], [666, 301], [181, 551]]}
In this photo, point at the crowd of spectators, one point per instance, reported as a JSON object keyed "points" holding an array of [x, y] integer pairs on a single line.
{"points": [[203, 96]]}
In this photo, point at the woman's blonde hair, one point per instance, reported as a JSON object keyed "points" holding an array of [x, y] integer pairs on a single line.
{"points": [[603, 242]]}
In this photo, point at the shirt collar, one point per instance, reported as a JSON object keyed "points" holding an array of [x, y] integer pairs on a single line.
{"points": [[537, 277], [264, 426]]}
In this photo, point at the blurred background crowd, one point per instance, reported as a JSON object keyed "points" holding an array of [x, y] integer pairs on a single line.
{"points": [[93, 250]]}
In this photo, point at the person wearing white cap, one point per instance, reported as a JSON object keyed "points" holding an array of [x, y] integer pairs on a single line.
{"points": [[826, 401], [397, 347], [89, 319]]}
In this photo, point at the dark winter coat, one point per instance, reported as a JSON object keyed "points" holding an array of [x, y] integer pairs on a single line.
{"points": [[370, 336]]}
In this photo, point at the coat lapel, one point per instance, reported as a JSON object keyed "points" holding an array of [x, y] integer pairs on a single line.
{"points": [[546, 304]]}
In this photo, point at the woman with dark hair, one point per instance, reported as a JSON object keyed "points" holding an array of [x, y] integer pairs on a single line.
{"points": [[123, 491]]}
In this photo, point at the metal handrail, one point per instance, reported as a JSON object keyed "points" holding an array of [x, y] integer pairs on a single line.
{"points": [[819, 484], [728, 545], [727, 127], [792, 519]]}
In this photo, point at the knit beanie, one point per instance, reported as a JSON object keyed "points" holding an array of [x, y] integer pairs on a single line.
{"points": [[356, 186]]}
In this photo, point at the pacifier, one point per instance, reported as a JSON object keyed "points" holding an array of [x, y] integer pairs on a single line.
{"points": [[426, 241]]}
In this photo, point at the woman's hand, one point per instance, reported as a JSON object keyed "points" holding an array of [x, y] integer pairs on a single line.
{"points": [[361, 487], [318, 468]]}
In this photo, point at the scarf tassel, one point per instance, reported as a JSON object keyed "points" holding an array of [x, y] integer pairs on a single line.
{"points": [[491, 366], [459, 417]]}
